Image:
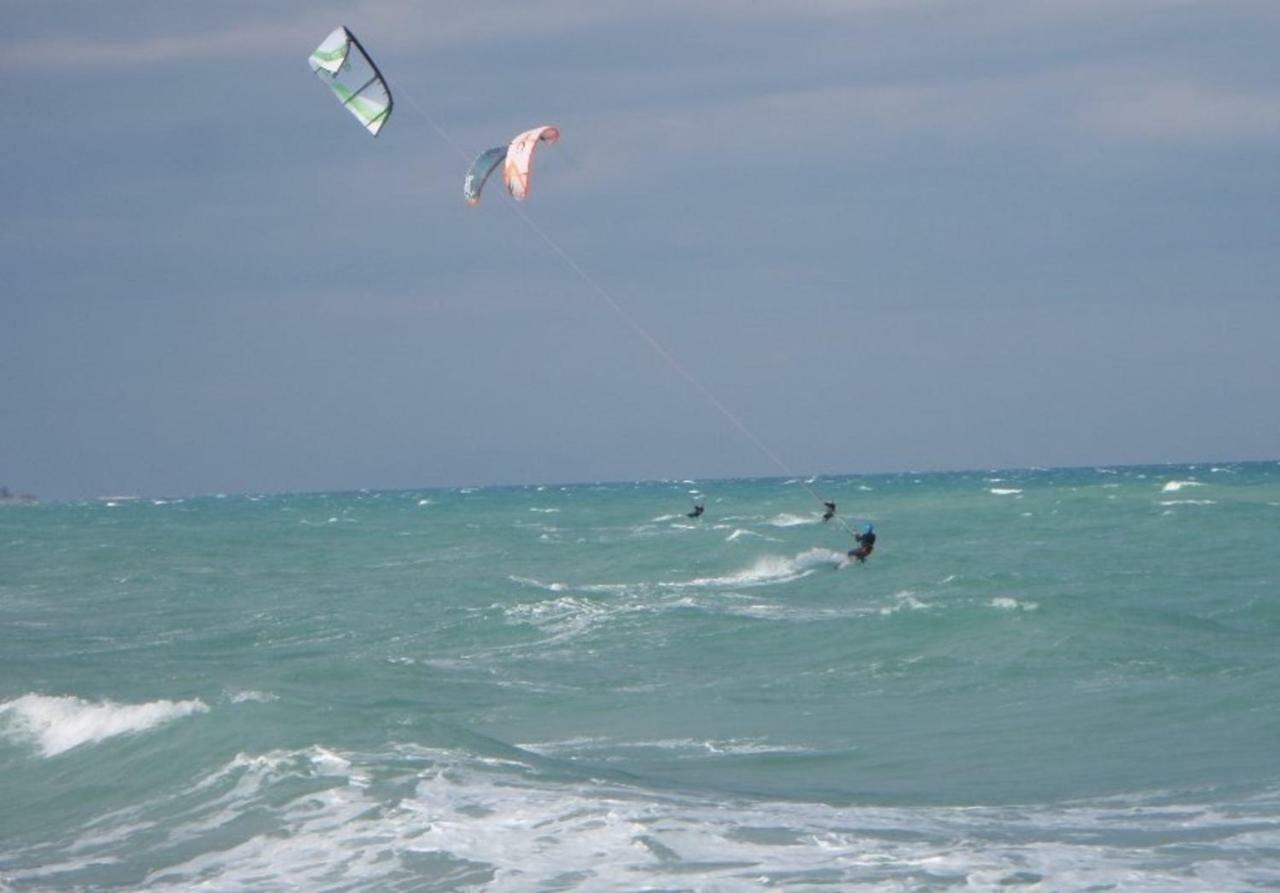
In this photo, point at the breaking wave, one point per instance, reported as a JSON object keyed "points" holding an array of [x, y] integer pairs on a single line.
{"points": [[58, 724]]}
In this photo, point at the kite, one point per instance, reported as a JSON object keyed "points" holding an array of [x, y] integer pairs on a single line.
{"points": [[517, 162], [342, 63], [484, 165], [519, 166]]}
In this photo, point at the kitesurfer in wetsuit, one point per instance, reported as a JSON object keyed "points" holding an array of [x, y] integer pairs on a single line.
{"points": [[830, 512], [697, 510], [866, 543]]}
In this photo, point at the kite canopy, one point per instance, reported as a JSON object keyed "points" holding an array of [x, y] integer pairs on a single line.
{"points": [[342, 63], [519, 165], [484, 165]]}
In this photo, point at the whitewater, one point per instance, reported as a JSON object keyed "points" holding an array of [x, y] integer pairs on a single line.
{"points": [[1059, 679]]}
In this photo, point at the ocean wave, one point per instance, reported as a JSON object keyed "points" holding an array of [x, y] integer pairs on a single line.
{"points": [[740, 532], [475, 821], [1005, 491], [568, 616], [554, 609], [592, 746], [770, 569], [538, 584], [1175, 486], [904, 601], [58, 724], [788, 520], [1007, 603]]}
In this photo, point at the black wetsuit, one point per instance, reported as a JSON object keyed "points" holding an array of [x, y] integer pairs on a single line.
{"points": [[866, 545], [697, 510], [830, 512]]}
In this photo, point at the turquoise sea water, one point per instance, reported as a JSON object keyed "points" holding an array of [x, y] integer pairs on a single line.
{"points": [[1051, 679]]}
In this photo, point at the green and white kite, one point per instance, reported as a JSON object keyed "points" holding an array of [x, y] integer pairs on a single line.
{"points": [[342, 63]]}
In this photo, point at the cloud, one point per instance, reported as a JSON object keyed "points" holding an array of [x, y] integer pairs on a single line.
{"points": [[848, 120], [454, 23], [82, 52], [396, 26], [1054, 107], [1183, 111]]}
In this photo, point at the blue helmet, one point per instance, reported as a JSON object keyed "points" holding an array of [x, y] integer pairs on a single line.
{"points": [[870, 528]]}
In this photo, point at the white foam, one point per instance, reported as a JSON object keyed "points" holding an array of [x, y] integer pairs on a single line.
{"points": [[761, 612], [1188, 502], [1004, 491], [787, 520], [516, 832], [1175, 486], [771, 569], [567, 745], [538, 584], [468, 821], [742, 531], [329, 763], [904, 601], [58, 724], [728, 747], [565, 617], [1005, 603]]}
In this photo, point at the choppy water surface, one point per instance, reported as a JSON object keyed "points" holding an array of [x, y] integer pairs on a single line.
{"points": [[1061, 679]]}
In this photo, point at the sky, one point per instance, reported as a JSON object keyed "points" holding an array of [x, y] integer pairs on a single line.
{"points": [[805, 238]]}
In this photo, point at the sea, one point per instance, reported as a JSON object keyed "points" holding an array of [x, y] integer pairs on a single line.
{"points": [[1047, 679]]}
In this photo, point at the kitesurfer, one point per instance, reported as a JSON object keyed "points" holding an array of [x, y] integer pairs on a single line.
{"points": [[866, 543], [697, 510], [830, 512]]}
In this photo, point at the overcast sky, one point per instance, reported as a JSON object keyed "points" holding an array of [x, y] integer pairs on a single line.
{"points": [[884, 234]]}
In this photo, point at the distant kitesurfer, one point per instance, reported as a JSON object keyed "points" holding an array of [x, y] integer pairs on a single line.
{"points": [[830, 512], [697, 511], [866, 543]]}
